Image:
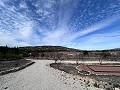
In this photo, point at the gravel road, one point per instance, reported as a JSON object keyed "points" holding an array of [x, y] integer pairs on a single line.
{"points": [[40, 76]]}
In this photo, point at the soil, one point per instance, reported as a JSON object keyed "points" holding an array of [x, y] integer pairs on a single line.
{"points": [[13, 65], [71, 68]]}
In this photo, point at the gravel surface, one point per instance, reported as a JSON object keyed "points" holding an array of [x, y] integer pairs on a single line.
{"points": [[40, 76]]}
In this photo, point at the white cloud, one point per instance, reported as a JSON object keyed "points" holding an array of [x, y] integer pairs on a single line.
{"points": [[55, 37], [20, 27], [23, 5], [103, 38], [95, 27], [2, 2], [64, 36], [15, 28], [6, 39], [26, 30], [99, 41]]}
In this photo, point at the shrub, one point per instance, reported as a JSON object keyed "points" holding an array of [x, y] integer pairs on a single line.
{"points": [[96, 85]]}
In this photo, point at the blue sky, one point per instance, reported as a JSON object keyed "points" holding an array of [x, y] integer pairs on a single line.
{"points": [[81, 24]]}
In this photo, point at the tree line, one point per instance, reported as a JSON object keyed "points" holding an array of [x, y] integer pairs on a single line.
{"points": [[7, 53]]}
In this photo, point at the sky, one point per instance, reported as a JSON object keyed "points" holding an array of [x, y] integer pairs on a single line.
{"points": [[80, 24]]}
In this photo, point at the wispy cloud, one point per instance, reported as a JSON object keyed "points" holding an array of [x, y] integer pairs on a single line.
{"points": [[64, 35], [97, 26], [15, 28], [99, 41], [104, 38], [53, 22], [7, 39]]}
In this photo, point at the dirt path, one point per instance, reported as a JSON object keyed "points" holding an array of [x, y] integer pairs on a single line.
{"points": [[40, 76]]}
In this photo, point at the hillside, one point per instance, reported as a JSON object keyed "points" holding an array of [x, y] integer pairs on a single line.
{"points": [[47, 49]]}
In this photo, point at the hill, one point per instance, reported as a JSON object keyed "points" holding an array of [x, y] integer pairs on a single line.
{"points": [[47, 49]]}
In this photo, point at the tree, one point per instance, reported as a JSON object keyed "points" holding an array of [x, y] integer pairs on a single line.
{"points": [[42, 55], [55, 57], [61, 56], [78, 57], [104, 55], [35, 54], [86, 53]]}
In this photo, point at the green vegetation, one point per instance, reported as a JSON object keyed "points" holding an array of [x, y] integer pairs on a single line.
{"points": [[7, 53]]}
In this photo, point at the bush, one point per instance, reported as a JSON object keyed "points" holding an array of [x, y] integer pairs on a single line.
{"points": [[116, 85], [13, 57], [96, 85]]}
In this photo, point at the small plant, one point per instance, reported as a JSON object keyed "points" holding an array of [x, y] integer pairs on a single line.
{"points": [[87, 82], [116, 85], [96, 85], [108, 89]]}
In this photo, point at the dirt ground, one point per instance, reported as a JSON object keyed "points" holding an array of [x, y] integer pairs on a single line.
{"points": [[13, 65], [71, 68]]}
